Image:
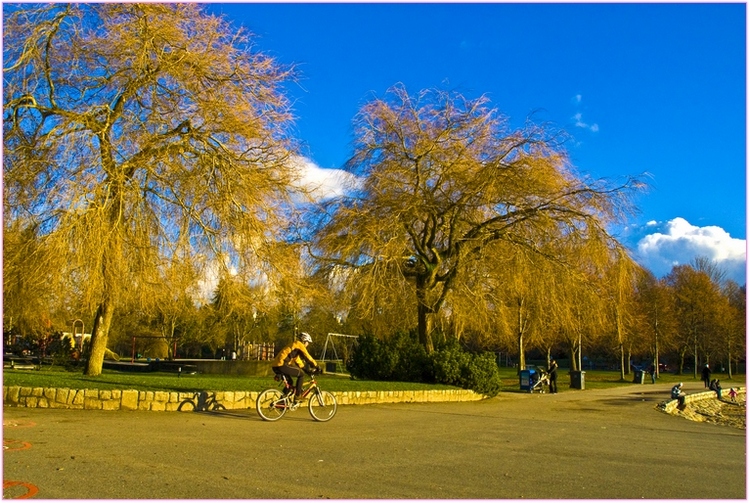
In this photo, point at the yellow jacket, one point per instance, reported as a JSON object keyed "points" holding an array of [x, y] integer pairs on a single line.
{"points": [[291, 354]]}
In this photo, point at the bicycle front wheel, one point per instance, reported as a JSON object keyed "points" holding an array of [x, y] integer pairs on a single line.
{"points": [[270, 405], [322, 406]]}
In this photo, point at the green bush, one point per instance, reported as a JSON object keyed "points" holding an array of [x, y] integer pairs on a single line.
{"points": [[402, 358], [399, 358]]}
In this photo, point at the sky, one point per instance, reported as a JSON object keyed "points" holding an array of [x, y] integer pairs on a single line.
{"points": [[644, 89]]}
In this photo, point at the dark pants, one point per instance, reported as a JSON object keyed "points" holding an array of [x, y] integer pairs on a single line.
{"points": [[291, 372], [553, 384]]}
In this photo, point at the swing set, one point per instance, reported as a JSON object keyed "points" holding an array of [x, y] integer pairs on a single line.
{"points": [[333, 360]]}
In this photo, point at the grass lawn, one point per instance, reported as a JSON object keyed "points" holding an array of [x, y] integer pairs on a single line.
{"points": [[160, 381]]}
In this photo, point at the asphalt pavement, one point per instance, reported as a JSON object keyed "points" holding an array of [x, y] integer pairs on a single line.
{"points": [[590, 444]]}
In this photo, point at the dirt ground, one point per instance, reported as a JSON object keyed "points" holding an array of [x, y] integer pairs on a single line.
{"points": [[723, 412]]}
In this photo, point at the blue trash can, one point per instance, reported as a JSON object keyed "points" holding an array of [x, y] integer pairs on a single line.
{"points": [[527, 379]]}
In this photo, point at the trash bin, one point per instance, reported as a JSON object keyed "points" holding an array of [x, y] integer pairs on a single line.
{"points": [[638, 376], [526, 380], [577, 380], [330, 367]]}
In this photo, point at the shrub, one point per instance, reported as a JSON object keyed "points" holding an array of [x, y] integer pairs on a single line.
{"points": [[402, 358]]}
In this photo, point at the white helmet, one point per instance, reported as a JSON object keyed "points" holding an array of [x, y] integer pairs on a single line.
{"points": [[305, 337]]}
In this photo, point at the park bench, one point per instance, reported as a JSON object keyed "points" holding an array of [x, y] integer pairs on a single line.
{"points": [[21, 362]]}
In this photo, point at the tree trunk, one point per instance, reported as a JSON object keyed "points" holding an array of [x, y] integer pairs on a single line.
{"points": [[573, 360], [656, 356], [682, 361], [521, 353], [423, 327], [99, 337], [629, 356], [620, 344], [423, 312], [729, 360], [521, 332]]}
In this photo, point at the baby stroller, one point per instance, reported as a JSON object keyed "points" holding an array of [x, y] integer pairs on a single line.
{"points": [[539, 379]]}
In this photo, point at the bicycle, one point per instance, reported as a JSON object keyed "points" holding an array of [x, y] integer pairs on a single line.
{"points": [[273, 403]]}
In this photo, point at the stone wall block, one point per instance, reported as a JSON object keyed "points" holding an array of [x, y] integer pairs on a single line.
{"points": [[111, 404], [78, 397], [12, 394], [93, 403], [129, 399], [61, 396]]}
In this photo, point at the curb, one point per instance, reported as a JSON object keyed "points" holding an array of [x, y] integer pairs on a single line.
{"points": [[94, 399], [670, 405]]}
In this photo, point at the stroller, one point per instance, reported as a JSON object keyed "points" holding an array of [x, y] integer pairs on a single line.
{"points": [[539, 379]]}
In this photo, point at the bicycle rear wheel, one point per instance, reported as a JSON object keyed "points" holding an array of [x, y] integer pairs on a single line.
{"points": [[270, 405], [322, 406]]}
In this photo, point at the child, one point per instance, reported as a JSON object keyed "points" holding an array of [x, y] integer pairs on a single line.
{"points": [[733, 394]]}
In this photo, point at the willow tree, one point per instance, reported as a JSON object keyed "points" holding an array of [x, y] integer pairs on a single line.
{"points": [[619, 293], [696, 303], [444, 177], [656, 318], [734, 322], [132, 127]]}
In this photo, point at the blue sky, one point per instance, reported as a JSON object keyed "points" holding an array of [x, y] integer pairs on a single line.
{"points": [[656, 88]]}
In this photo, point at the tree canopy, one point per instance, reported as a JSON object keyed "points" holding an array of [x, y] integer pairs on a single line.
{"points": [[139, 134], [444, 179]]}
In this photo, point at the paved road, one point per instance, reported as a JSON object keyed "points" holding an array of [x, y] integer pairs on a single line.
{"points": [[590, 444]]}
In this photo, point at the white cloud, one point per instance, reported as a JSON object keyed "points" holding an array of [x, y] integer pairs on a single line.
{"points": [[321, 183], [578, 118], [678, 242]]}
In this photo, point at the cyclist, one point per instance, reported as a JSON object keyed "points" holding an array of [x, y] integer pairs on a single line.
{"points": [[292, 358]]}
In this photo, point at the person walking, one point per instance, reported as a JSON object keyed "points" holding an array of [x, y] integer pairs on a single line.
{"points": [[652, 373], [706, 376], [552, 376], [733, 394]]}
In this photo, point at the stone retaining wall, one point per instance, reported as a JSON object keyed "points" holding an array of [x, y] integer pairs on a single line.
{"points": [[54, 398], [671, 405]]}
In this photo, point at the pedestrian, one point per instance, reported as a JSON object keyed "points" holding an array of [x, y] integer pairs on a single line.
{"points": [[678, 394], [733, 394], [706, 376], [716, 386], [652, 373], [552, 376]]}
